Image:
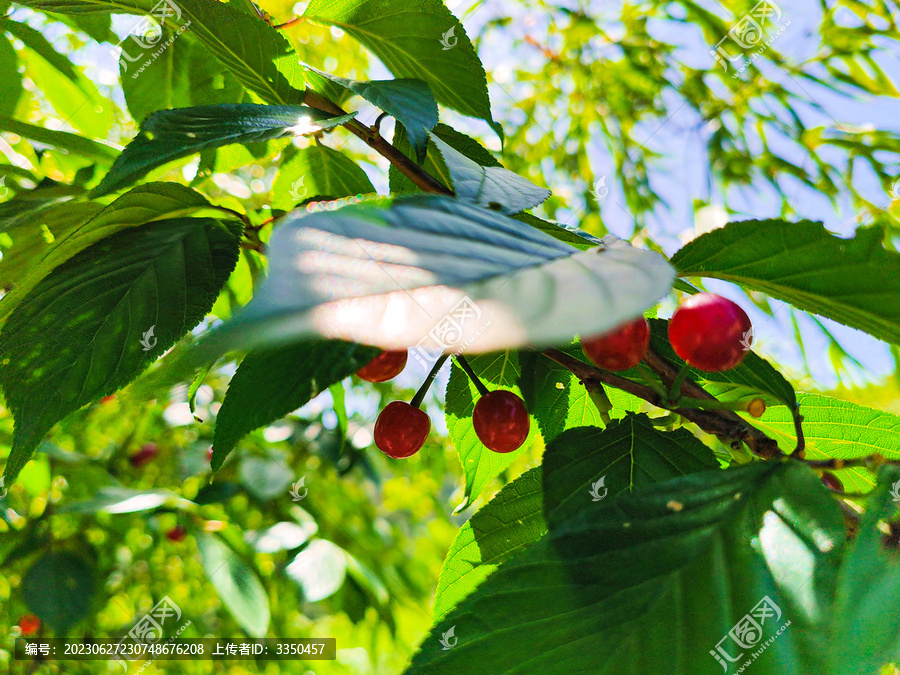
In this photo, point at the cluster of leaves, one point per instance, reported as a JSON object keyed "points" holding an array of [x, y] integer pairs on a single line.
{"points": [[102, 288]]}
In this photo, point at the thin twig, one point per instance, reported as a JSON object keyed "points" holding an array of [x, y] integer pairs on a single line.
{"points": [[800, 451], [290, 22], [374, 140]]}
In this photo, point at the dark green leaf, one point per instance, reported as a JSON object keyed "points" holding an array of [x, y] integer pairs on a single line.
{"points": [[10, 79], [270, 384], [584, 466], [75, 226], [238, 586], [868, 593], [653, 581], [556, 398], [98, 319], [410, 36], [171, 134], [318, 171], [853, 281], [58, 589], [260, 57]]}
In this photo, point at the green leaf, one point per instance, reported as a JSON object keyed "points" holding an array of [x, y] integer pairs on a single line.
{"points": [[98, 319], [91, 6], [33, 233], [238, 586], [36, 41], [868, 592], [836, 428], [406, 35], [388, 276], [853, 281], [410, 102], [172, 134], [271, 383], [512, 520], [319, 569], [58, 589], [184, 74], [115, 499], [492, 187], [318, 171], [260, 57], [10, 78], [653, 581], [557, 399], [98, 152], [78, 102], [84, 226], [481, 466], [586, 465], [163, 83]]}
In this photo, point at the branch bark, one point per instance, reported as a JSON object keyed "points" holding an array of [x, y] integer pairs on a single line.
{"points": [[377, 142], [723, 423]]}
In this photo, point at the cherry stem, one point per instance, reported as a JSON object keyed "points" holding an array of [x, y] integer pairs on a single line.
{"points": [[800, 450], [461, 360], [675, 389], [435, 369]]}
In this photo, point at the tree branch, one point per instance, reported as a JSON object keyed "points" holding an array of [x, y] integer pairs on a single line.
{"points": [[377, 142], [723, 423]]}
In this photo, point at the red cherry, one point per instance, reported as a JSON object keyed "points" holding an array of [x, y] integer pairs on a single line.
{"points": [[146, 454], [176, 534], [29, 624], [710, 332], [832, 482], [501, 421], [401, 430], [621, 349], [386, 366]]}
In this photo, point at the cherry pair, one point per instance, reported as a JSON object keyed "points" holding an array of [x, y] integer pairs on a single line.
{"points": [[708, 331]]}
